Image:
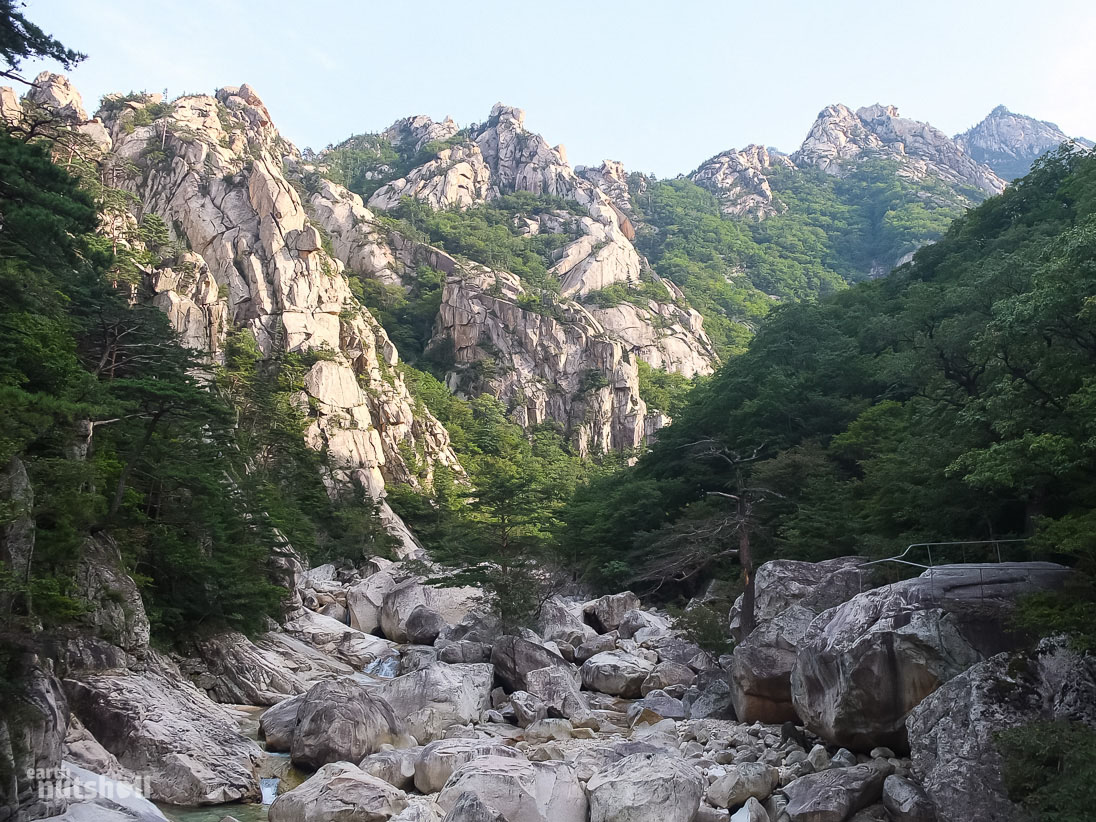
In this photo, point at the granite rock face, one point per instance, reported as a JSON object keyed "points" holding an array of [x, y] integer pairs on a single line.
{"points": [[1009, 143], [257, 262], [951, 732], [841, 135], [738, 179]]}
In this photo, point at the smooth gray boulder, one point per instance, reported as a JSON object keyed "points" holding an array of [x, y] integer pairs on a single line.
{"points": [[520, 791], [836, 794], [606, 613], [646, 788], [436, 762], [666, 675], [343, 721], [339, 792], [906, 801], [433, 698], [749, 779], [863, 666], [514, 657], [396, 766], [278, 724], [560, 693], [616, 673]]}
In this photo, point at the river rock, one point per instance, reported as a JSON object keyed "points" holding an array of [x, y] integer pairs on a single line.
{"points": [[278, 724], [396, 767], [343, 720], [464, 651], [470, 808], [666, 675], [642, 625], [616, 673], [161, 727], [606, 613], [423, 625], [451, 604], [437, 696], [559, 692], [835, 794], [906, 801], [559, 623], [863, 666], [364, 599], [437, 761], [514, 657], [951, 732], [749, 779], [646, 788], [339, 792], [520, 791], [332, 637]]}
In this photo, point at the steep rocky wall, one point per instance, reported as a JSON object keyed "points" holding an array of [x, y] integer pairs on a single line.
{"points": [[212, 167]]}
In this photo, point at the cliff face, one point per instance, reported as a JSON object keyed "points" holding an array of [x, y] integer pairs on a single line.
{"points": [[1009, 143], [840, 135], [575, 364], [213, 168], [738, 179]]}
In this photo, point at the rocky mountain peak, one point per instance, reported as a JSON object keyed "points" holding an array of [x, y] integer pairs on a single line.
{"points": [[840, 135], [738, 179], [418, 130], [1009, 143]]}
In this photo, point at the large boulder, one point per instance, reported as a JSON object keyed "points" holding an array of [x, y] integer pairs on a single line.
{"points": [[606, 613], [642, 625], [836, 794], [709, 697], [437, 696], [423, 625], [559, 623], [616, 673], [646, 787], [740, 782], [278, 724], [559, 692], [437, 761], [520, 791], [162, 728], [339, 792], [451, 604], [349, 645], [790, 594], [32, 736], [395, 766], [906, 801], [514, 657], [343, 720], [952, 731], [364, 599], [863, 666], [667, 675], [470, 808]]}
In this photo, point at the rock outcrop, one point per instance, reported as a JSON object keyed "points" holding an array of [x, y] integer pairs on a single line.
{"points": [[737, 179], [840, 136], [1009, 143], [951, 732], [212, 168], [863, 666]]}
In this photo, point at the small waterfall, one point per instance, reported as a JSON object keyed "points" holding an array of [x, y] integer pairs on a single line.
{"points": [[269, 786], [383, 668]]}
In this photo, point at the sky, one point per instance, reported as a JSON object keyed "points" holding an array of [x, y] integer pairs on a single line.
{"points": [[660, 86]]}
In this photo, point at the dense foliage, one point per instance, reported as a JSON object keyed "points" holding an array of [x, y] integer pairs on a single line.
{"points": [[1048, 769], [951, 400]]}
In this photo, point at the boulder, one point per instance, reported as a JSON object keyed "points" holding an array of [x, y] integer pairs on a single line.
{"points": [[396, 767], [437, 761], [514, 657], [646, 788], [339, 792], [464, 651], [863, 666], [642, 625], [749, 779], [278, 724], [616, 673], [451, 604], [527, 708], [836, 794], [559, 623], [423, 625], [115, 610], [660, 703], [671, 648], [606, 613], [559, 692], [752, 811], [102, 799], [349, 645], [591, 759], [665, 675], [906, 801], [364, 599], [596, 645], [437, 696], [343, 720], [32, 736], [520, 791], [420, 809], [951, 732], [709, 697], [470, 808], [161, 727]]}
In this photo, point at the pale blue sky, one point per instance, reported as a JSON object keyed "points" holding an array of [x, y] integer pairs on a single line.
{"points": [[660, 86]]}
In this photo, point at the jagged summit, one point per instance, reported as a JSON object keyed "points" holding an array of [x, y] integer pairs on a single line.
{"points": [[840, 135], [1009, 143], [738, 179]]}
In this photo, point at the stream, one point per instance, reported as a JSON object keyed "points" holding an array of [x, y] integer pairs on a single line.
{"points": [[276, 775]]}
